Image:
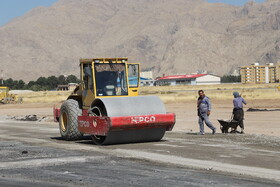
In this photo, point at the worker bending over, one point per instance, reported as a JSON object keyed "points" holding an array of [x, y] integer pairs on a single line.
{"points": [[238, 112]]}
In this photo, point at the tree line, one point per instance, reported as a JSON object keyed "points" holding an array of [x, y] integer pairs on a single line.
{"points": [[42, 83], [230, 79], [51, 82]]}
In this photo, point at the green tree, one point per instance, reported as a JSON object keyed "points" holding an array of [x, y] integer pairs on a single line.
{"points": [[15, 85], [36, 87], [20, 84], [44, 88], [26, 87], [42, 81], [31, 83], [230, 79], [72, 79], [52, 82], [61, 80], [9, 82]]}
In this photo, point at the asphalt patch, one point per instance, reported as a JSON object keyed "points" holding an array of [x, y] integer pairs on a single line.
{"points": [[261, 110]]}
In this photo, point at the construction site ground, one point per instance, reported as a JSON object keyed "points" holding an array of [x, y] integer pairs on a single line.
{"points": [[33, 152]]}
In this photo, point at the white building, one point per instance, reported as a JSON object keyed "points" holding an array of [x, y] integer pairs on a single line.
{"points": [[146, 74], [197, 79]]}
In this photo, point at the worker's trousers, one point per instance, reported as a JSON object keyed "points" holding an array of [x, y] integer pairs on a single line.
{"points": [[238, 115], [203, 117]]}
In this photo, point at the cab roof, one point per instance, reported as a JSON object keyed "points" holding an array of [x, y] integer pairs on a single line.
{"points": [[102, 60]]}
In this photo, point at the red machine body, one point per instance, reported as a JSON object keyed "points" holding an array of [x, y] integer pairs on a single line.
{"points": [[56, 114], [102, 125]]}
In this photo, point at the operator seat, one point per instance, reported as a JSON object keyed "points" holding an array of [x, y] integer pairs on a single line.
{"points": [[110, 90]]}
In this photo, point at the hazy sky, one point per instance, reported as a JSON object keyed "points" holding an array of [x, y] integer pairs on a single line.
{"points": [[233, 2], [10, 9]]}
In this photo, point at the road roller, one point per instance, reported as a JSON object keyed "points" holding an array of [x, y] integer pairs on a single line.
{"points": [[106, 106]]}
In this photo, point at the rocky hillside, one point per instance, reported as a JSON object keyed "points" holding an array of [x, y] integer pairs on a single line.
{"points": [[178, 36]]}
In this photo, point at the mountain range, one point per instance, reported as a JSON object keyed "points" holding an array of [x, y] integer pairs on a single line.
{"points": [[167, 37]]}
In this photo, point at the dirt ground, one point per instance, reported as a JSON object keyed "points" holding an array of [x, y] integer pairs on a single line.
{"points": [[33, 154], [266, 122], [251, 156]]}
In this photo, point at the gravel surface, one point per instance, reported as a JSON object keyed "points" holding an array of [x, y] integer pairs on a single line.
{"points": [[33, 154], [29, 165]]}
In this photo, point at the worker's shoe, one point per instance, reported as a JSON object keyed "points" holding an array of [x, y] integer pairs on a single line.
{"points": [[242, 131], [202, 133], [213, 131]]}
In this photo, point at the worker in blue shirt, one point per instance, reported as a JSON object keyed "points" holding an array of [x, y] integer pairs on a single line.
{"points": [[238, 112], [203, 112]]}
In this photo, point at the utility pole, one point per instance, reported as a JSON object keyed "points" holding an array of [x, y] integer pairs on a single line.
{"points": [[2, 78]]}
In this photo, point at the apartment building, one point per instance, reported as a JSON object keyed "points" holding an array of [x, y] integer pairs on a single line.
{"points": [[277, 75], [259, 74]]}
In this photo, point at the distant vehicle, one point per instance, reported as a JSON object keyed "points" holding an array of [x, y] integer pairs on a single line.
{"points": [[6, 97]]}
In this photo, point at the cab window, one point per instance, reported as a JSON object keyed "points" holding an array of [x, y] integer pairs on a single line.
{"points": [[88, 82], [133, 75], [110, 79]]}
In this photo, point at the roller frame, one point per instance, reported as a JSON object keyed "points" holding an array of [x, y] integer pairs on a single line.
{"points": [[125, 129], [95, 125], [125, 120], [105, 124], [56, 114]]}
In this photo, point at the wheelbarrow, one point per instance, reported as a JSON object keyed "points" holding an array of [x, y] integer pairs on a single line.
{"points": [[226, 124]]}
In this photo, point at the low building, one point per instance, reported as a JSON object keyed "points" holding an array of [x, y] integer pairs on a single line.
{"points": [[62, 87], [146, 82], [146, 74], [195, 79], [67, 87]]}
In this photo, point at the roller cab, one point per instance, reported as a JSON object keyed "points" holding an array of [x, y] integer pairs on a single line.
{"points": [[106, 106], [6, 97]]}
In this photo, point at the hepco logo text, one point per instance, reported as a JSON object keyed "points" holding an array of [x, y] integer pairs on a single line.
{"points": [[84, 123], [142, 119]]}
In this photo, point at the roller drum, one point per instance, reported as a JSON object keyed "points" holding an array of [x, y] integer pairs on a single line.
{"points": [[130, 106]]}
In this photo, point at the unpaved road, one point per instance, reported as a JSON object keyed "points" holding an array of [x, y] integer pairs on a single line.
{"points": [[32, 154], [267, 123], [260, 123]]}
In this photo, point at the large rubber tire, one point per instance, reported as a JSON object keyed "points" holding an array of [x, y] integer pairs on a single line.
{"points": [[68, 120]]}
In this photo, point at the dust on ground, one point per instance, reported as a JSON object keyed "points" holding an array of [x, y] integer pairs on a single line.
{"points": [[238, 155], [264, 122], [182, 147], [39, 109]]}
